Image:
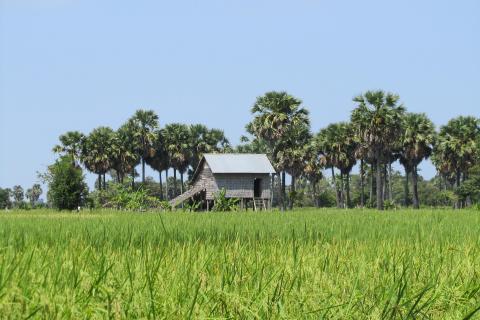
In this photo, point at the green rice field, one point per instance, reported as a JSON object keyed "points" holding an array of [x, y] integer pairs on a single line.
{"points": [[318, 264]]}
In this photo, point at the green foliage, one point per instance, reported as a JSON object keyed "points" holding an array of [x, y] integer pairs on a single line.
{"points": [[18, 195], [224, 204], [5, 198], [122, 197], [191, 206], [33, 194], [304, 264], [66, 187]]}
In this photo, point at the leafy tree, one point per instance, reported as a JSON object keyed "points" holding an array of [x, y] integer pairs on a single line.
{"points": [[5, 198], [378, 123], [71, 145], [417, 144], [18, 195], [34, 193], [66, 187], [97, 152], [276, 115], [144, 123]]}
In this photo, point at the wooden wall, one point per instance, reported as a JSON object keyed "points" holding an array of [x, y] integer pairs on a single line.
{"points": [[238, 185]]}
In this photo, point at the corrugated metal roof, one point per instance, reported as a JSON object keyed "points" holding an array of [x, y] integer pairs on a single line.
{"points": [[238, 163]]}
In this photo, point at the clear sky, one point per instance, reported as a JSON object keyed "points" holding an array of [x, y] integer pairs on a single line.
{"points": [[75, 65]]}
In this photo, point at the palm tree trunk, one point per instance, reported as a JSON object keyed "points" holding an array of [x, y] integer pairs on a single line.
{"points": [[385, 182], [372, 184], [362, 183], [390, 181], [379, 184], [342, 190], [181, 182], [160, 183], [468, 200], [406, 189], [174, 182], [284, 204], [104, 184], [99, 181], [315, 195], [143, 170], [292, 192], [416, 203], [347, 183], [167, 196], [133, 178], [337, 193], [458, 176]]}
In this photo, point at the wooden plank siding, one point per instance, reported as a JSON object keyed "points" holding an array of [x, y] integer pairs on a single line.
{"points": [[237, 185]]}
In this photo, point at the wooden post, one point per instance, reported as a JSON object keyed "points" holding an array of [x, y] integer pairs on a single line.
{"points": [[208, 205]]}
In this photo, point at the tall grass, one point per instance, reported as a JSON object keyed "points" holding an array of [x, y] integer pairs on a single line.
{"points": [[304, 264]]}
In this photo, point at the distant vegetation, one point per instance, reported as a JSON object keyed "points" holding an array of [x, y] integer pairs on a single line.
{"points": [[379, 133]]}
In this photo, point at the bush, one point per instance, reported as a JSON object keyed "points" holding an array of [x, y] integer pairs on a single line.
{"points": [[66, 186], [224, 204]]}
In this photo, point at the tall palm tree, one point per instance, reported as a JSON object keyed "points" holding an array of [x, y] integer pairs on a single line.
{"points": [[125, 151], [339, 144], [70, 144], [417, 144], [159, 161], [204, 140], [456, 149], [292, 155], [324, 141], [314, 163], [177, 145], [144, 124], [378, 122], [275, 115], [96, 152]]}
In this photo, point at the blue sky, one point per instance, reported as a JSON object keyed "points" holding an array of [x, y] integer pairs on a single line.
{"points": [[75, 65]]}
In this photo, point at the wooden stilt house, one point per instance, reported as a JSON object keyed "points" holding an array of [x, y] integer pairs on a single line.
{"points": [[243, 176]]}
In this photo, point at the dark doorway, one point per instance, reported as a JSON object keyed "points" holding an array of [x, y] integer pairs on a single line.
{"points": [[257, 188]]}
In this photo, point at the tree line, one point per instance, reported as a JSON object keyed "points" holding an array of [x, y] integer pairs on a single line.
{"points": [[380, 132]]}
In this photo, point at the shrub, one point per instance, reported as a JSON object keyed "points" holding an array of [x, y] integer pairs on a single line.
{"points": [[66, 186], [224, 204]]}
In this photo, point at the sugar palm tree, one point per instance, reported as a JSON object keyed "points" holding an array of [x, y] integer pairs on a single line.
{"points": [[159, 161], [34, 193], [292, 155], [456, 149], [314, 164], [70, 144], [339, 144], [177, 145], [96, 152], [204, 140], [144, 124], [378, 122], [417, 144], [125, 152], [275, 115], [325, 145]]}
